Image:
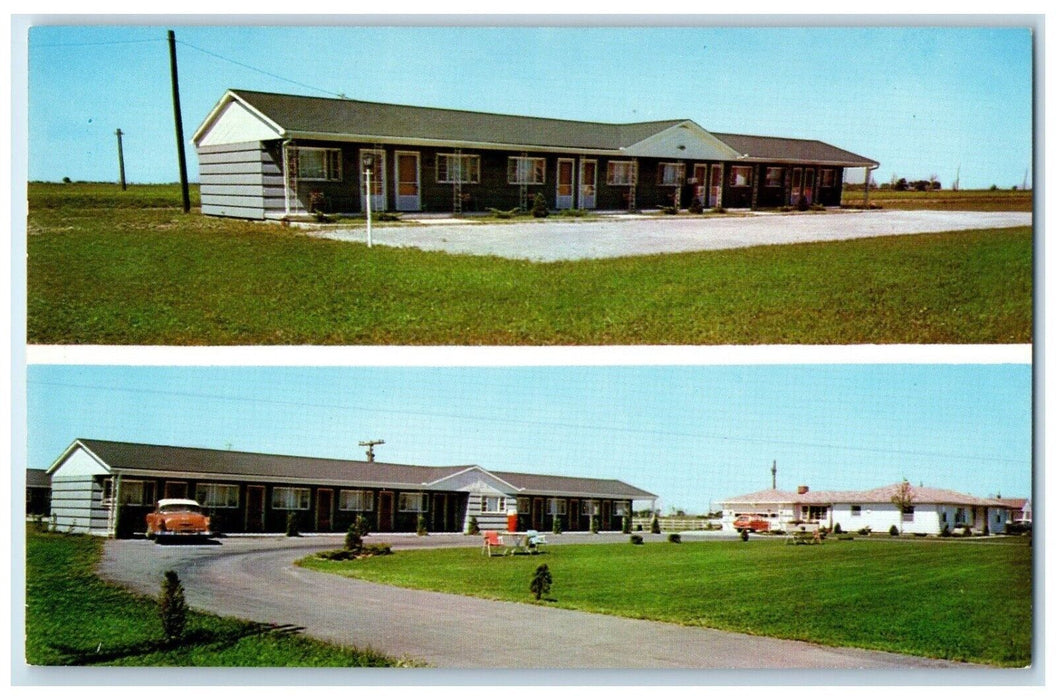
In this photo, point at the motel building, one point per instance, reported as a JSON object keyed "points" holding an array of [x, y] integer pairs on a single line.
{"points": [[931, 511], [106, 488], [273, 156]]}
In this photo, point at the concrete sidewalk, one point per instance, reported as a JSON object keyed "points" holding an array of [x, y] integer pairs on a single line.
{"points": [[612, 237]]}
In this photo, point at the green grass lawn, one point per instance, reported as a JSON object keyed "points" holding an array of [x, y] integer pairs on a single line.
{"points": [[961, 600], [73, 618], [108, 267]]}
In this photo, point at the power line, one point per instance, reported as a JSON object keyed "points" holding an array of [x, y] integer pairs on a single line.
{"points": [[259, 70], [541, 423], [196, 48]]}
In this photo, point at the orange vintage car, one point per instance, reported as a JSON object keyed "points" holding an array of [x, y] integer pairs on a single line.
{"points": [[177, 517]]}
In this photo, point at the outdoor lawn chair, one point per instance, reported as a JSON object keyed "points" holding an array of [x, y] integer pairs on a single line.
{"points": [[491, 539], [535, 539]]}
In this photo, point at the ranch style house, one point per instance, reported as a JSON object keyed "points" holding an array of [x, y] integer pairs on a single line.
{"points": [[929, 512], [273, 156], [106, 488]]}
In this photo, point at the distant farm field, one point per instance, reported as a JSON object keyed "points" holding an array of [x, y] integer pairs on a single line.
{"points": [[964, 600], [944, 200], [113, 267]]}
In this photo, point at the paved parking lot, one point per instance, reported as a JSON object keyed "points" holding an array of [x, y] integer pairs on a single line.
{"points": [[621, 235]]}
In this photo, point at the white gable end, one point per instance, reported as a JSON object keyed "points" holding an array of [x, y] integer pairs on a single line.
{"points": [[475, 480], [78, 463], [684, 141], [234, 123]]}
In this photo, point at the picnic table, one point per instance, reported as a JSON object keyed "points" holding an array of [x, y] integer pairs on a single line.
{"points": [[804, 537], [515, 542]]}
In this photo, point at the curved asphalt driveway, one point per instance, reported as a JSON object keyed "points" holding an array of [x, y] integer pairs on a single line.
{"points": [[619, 235], [254, 578]]}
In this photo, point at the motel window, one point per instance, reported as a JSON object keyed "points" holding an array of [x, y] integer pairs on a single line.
{"points": [[132, 493], [621, 172], [670, 173], [590, 508], [556, 506], [289, 498], [856, 511], [524, 505], [136, 493], [414, 503], [452, 168], [907, 514], [828, 177], [217, 495], [526, 171], [318, 164], [740, 176], [621, 508], [775, 177], [959, 516], [355, 500], [493, 504]]}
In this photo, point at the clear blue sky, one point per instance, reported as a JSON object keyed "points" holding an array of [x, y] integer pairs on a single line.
{"points": [[693, 435], [920, 100]]}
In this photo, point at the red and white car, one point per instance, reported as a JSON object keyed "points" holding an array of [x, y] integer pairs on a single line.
{"points": [[752, 522], [177, 517]]}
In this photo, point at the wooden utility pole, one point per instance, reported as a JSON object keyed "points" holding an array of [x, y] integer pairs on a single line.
{"points": [[369, 444], [179, 122], [121, 159], [773, 475]]}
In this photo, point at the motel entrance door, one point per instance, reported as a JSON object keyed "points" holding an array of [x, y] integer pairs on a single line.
{"points": [[588, 184], [565, 198], [324, 505], [254, 509], [700, 183], [715, 187], [385, 511], [408, 182]]}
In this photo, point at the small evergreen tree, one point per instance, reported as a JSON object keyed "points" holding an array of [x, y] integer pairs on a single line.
{"points": [[593, 524], [837, 530], [654, 525], [557, 525], [474, 527], [627, 523], [539, 209], [292, 526], [357, 530], [893, 531], [172, 606], [423, 529], [541, 582]]}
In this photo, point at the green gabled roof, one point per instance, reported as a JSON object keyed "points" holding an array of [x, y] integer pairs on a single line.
{"points": [[775, 148], [298, 115]]}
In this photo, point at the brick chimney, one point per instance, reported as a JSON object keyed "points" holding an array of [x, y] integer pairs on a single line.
{"points": [[802, 489]]}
